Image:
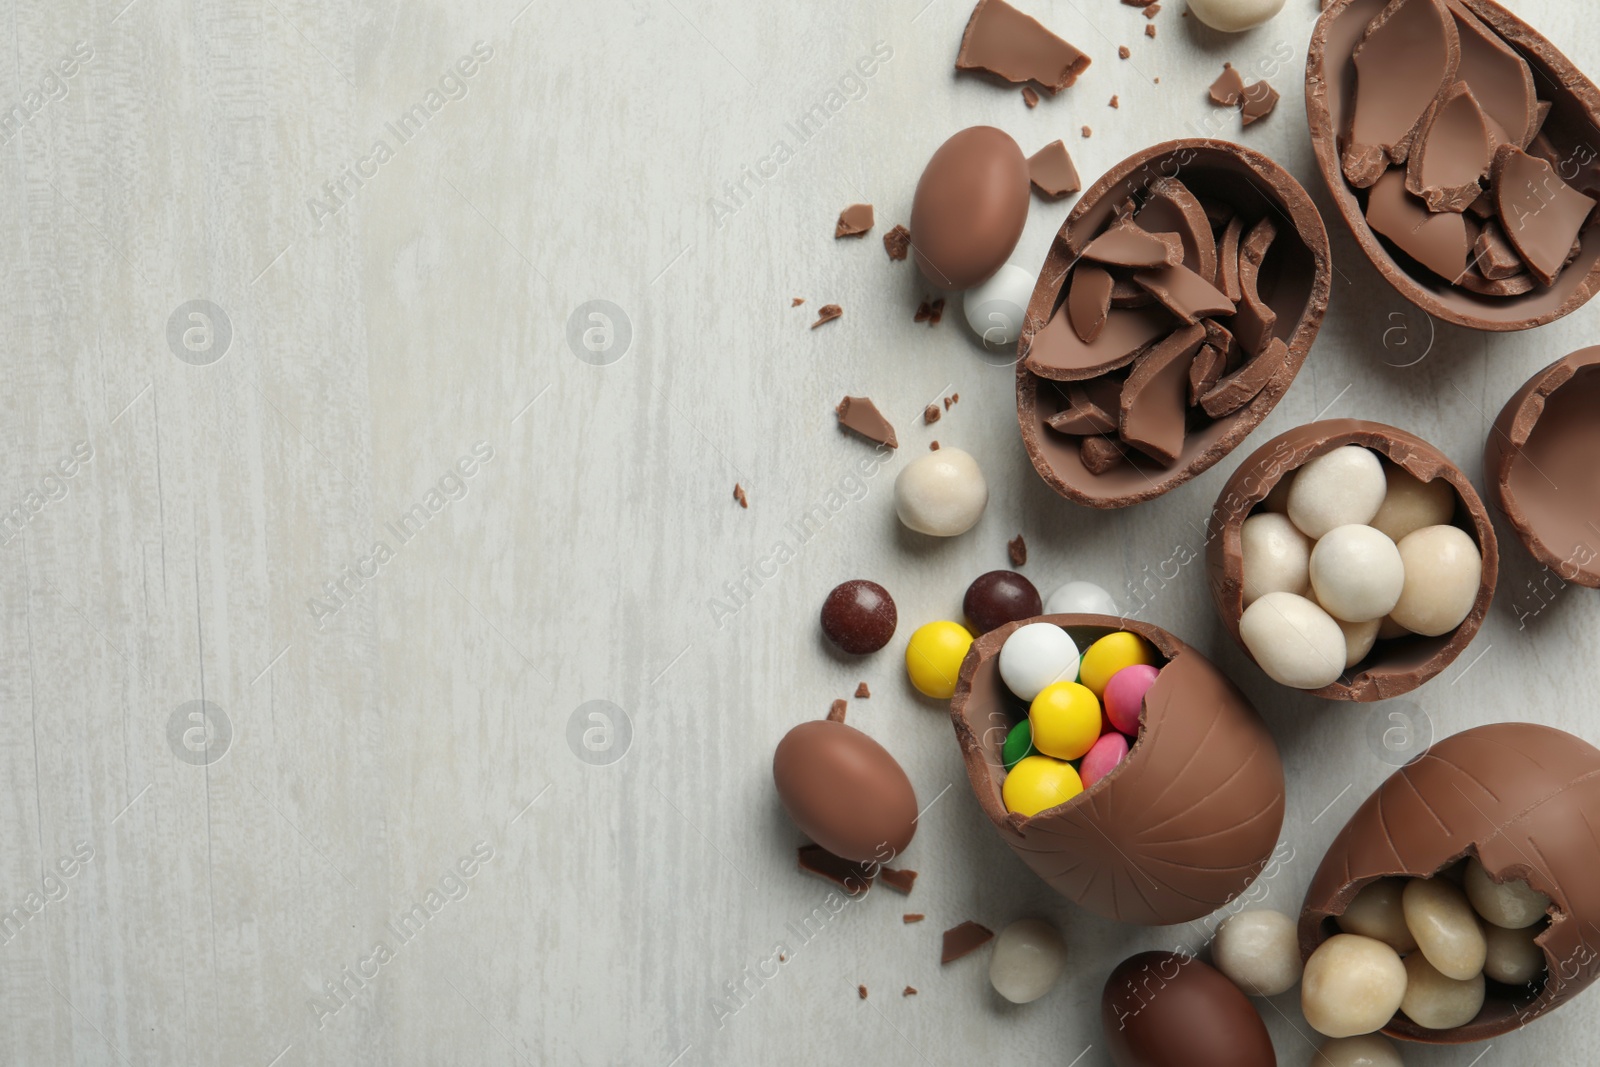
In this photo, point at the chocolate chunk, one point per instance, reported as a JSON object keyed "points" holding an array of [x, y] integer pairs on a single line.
{"points": [[1170, 207], [929, 312], [1452, 153], [862, 692], [739, 495], [953, 398], [1127, 245], [827, 313], [1099, 454], [1184, 293], [1407, 57], [899, 880], [1472, 279], [1125, 294], [854, 221], [1150, 30], [1114, 100], [933, 446], [1438, 241], [1058, 353], [1122, 51], [1002, 41], [912, 917], [1493, 255], [1483, 206], [1150, 10], [964, 939], [796, 301], [1259, 100], [1089, 301], [1138, 3], [1155, 397], [861, 991], [837, 710], [1087, 132], [897, 242], [1254, 322], [854, 878], [1091, 408], [909, 991], [1221, 338], [861, 415], [1501, 82], [1052, 172], [1228, 259], [1540, 213], [1017, 549], [1239, 388], [1030, 97], [930, 414], [1204, 372]]}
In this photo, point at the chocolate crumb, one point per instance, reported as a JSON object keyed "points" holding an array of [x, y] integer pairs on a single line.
{"points": [[1150, 12], [897, 242], [861, 991], [837, 710], [933, 446], [1017, 549], [1030, 97], [1122, 51], [1113, 99], [1099, 454], [963, 940], [936, 312], [912, 917], [910, 991], [1150, 29], [854, 221], [1087, 132], [782, 958], [796, 301], [953, 398], [853, 878], [1138, 3], [739, 495], [862, 692], [1051, 171], [900, 881], [931, 414], [827, 313], [860, 415]]}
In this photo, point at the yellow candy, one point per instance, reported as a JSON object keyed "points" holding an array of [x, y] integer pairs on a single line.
{"points": [[1065, 719], [1109, 655], [934, 655], [1039, 782]]}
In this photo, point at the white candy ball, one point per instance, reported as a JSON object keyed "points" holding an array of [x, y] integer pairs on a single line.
{"points": [[1512, 904], [1352, 985], [1359, 637], [942, 493], [1410, 504], [1037, 655], [1029, 956], [1080, 598], [1294, 641], [1275, 555], [1234, 16], [1367, 1050], [1513, 958], [1447, 930], [1357, 573], [1259, 951], [995, 310], [1336, 489], [1435, 1002], [1443, 570], [1375, 912]]}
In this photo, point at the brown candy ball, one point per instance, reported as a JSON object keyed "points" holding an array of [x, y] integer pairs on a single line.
{"points": [[859, 616], [999, 597]]}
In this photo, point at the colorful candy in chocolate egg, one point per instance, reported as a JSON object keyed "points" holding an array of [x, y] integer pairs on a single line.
{"points": [[1065, 720], [1038, 783], [1161, 1009], [1018, 744], [1111, 654], [1124, 696], [845, 791], [1035, 656], [934, 655], [859, 616], [1110, 750], [999, 597]]}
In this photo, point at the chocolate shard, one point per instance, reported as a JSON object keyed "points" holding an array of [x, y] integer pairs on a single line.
{"points": [[1052, 172], [862, 692], [1452, 153], [854, 221], [1089, 301], [897, 242], [1493, 255], [1169, 207], [827, 313], [1017, 551], [1253, 321], [1228, 89], [1002, 41], [900, 881], [1125, 294], [1483, 206], [837, 711], [1438, 241], [1204, 372], [1030, 96], [1127, 245], [1242, 386], [1091, 408], [1155, 398], [964, 939], [1058, 353], [854, 878], [1407, 57], [1184, 293], [1540, 214], [1501, 81], [1227, 278], [1515, 285], [1259, 101], [861, 415], [1218, 213], [1099, 454], [1221, 338]]}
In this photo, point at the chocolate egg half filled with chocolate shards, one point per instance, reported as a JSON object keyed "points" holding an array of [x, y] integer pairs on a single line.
{"points": [[1538, 463], [845, 791], [1162, 1009], [1182, 825], [1463, 150], [1517, 802], [1177, 303]]}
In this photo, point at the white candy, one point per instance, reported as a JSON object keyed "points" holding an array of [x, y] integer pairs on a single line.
{"points": [[1376, 913], [942, 493], [1352, 985], [1295, 642], [1410, 504], [1336, 489], [1357, 573], [1080, 598], [1259, 950], [995, 310], [1513, 958], [1234, 16], [1447, 930], [1512, 904], [1435, 1002], [1443, 570], [1275, 555], [1367, 1050], [1036, 655], [1029, 957], [1359, 638]]}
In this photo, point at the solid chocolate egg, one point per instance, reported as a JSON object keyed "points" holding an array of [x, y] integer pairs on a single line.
{"points": [[1160, 1009], [970, 206], [845, 791]]}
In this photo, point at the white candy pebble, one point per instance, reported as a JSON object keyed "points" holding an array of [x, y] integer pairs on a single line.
{"points": [[1294, 641], [1375, 912], [996, 309], [1410, 503], [1513, 958], [1234, 16], [1029, 956], [1352, 985], [942, 493], [1512, 904], [1367, 1050], [1259, 950], [1435, 1002], [1275, 555], [1447, 930], [1357, 573], [1080, 598], [1336, 489], [1035, 656], [1359, 637], [1443, 571]]}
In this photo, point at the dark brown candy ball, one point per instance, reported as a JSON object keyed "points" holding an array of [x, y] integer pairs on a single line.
{"points": [[859, 616], [999, 597]]}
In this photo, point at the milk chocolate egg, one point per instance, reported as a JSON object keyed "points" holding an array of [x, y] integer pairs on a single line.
{"points": [[845, 791], [1161, 1009], [970, 207]]}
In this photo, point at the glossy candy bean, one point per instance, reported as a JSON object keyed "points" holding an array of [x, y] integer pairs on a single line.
{"points": [[1065, 718], [1124, 696], [1039, 782], [1036, 655], [1109, 655], [934, 655]]}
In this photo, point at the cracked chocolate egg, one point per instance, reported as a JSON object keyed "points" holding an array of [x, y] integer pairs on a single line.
{"points": [[1392, 665], [1519, 797], [1178, 828], [1177, 304]]}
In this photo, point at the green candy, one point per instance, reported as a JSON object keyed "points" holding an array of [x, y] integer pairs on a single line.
{"points": [[1019, 744]]}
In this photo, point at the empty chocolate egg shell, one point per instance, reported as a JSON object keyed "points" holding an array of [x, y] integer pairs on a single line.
{"points": [[1173, 832]]}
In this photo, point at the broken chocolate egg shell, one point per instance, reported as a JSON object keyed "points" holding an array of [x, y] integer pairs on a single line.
{"points": [[1573, 127], [1538, 464], [1295, 280], [1394, 666], [1517, 796], [1178, 828]]}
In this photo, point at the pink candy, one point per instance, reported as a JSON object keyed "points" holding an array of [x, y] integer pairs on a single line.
{"points": [[1107, 752], [1124, 697]]}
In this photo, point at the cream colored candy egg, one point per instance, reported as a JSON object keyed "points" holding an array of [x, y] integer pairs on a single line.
{"points": [[1357, 573], [1410, 503], [1235, 16], [1029, 956], [1294, 641], [1448, 932], [1259, 950], [1512, 903], [1376, 912], [1435, 1002], [1335, 489], [1351, 985], [1275, 556], [1367, 1050], [942, 493], [1443, 571], [1512, 956]]}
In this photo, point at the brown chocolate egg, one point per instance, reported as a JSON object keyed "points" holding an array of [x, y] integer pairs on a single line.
{"points": [[845, 791], [970, 206], [1178, 828], [1162, 1009], [1539, 466], [1518, 796]]}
